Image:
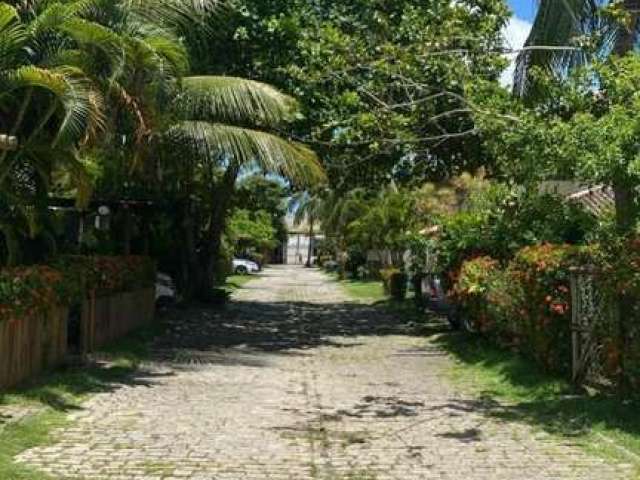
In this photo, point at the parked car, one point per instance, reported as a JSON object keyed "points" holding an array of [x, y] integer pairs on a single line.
{"points": [[245, 267], [166, 291]]}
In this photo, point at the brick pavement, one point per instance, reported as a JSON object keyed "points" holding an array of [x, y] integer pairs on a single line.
{"points": [[293, 382]]}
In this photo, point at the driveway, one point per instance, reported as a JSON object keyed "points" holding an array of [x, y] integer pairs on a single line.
{"points": [[295, 381]]}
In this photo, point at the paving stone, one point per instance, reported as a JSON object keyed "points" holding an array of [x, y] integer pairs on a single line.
{"points": [[293, 381]]}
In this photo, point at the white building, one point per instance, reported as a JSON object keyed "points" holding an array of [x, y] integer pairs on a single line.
{"points": [[297, 247]]}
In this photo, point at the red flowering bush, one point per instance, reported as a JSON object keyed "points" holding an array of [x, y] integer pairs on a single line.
{"points": [[526, 304], [106, 275], [28, 291], [543, 326]]}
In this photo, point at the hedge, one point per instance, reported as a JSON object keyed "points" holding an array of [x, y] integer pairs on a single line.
{"points": [[27, 291], [106, 275], [524, 304]]}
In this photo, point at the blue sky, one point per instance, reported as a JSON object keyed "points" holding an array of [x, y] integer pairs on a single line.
{"points": [[517, 31], [524, 9]]}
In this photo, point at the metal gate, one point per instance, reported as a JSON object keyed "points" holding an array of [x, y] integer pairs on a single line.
{"points": [[595, 329]]}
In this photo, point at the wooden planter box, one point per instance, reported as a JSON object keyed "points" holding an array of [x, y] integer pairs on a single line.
{"points": [[29, 346], [107, 318]]}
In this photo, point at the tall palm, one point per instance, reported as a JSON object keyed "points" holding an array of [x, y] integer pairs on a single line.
{"points": [[48, 107], [226, 126], [339, 210], [66, 66], [557, 24], [307, 207], [212, 127]]}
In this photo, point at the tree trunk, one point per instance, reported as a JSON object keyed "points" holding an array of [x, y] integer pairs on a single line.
{"points": [[189, 271], [625, 203], [311, 235], [625, 196], [212, 245]]}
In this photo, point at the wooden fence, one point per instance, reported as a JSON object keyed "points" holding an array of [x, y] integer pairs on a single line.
{"points": [[107, 318], [31, 345]]}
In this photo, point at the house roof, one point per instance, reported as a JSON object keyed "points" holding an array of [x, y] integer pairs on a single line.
{"points": [[598, 199]]}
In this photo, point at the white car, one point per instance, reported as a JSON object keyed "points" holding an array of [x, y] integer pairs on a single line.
{"points": [[244, 267]]}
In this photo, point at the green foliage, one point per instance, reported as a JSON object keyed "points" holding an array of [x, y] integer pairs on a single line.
{"points": [[575, 132], [525, 305], [258, 192], [379, 82], [384, 222], [501, 220], [395, 283], [252, 231]]}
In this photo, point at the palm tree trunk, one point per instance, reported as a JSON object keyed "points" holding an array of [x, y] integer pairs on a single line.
{"points": [[311, 235], [189, 271], [212, 247]]}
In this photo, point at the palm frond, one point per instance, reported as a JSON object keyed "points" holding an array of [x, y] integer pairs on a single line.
{"points": [[86, 33], [177, 14], [52, 16], [246, 146], [8, 15], [81, 104], [171, 51], [558, 24], [233, 100], [13, 37]]}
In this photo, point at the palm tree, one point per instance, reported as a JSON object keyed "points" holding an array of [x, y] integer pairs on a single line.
{"points": [[557, 25], [47, 108], [224, 125], [209, 127], [339, 211], [113, 76], [307, 207]]}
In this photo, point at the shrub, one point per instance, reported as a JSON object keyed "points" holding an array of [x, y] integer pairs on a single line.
{"points": [[29, 291], [395, 283], [106, 274], [526, 304], [543, 326], [470, 292], [499, 221]]}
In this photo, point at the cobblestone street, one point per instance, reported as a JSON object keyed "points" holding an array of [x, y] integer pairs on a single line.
{"points": [[295, 381]]}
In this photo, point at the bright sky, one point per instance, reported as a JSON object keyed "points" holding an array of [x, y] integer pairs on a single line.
{"points": [[524, 9], [517, 31]]}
